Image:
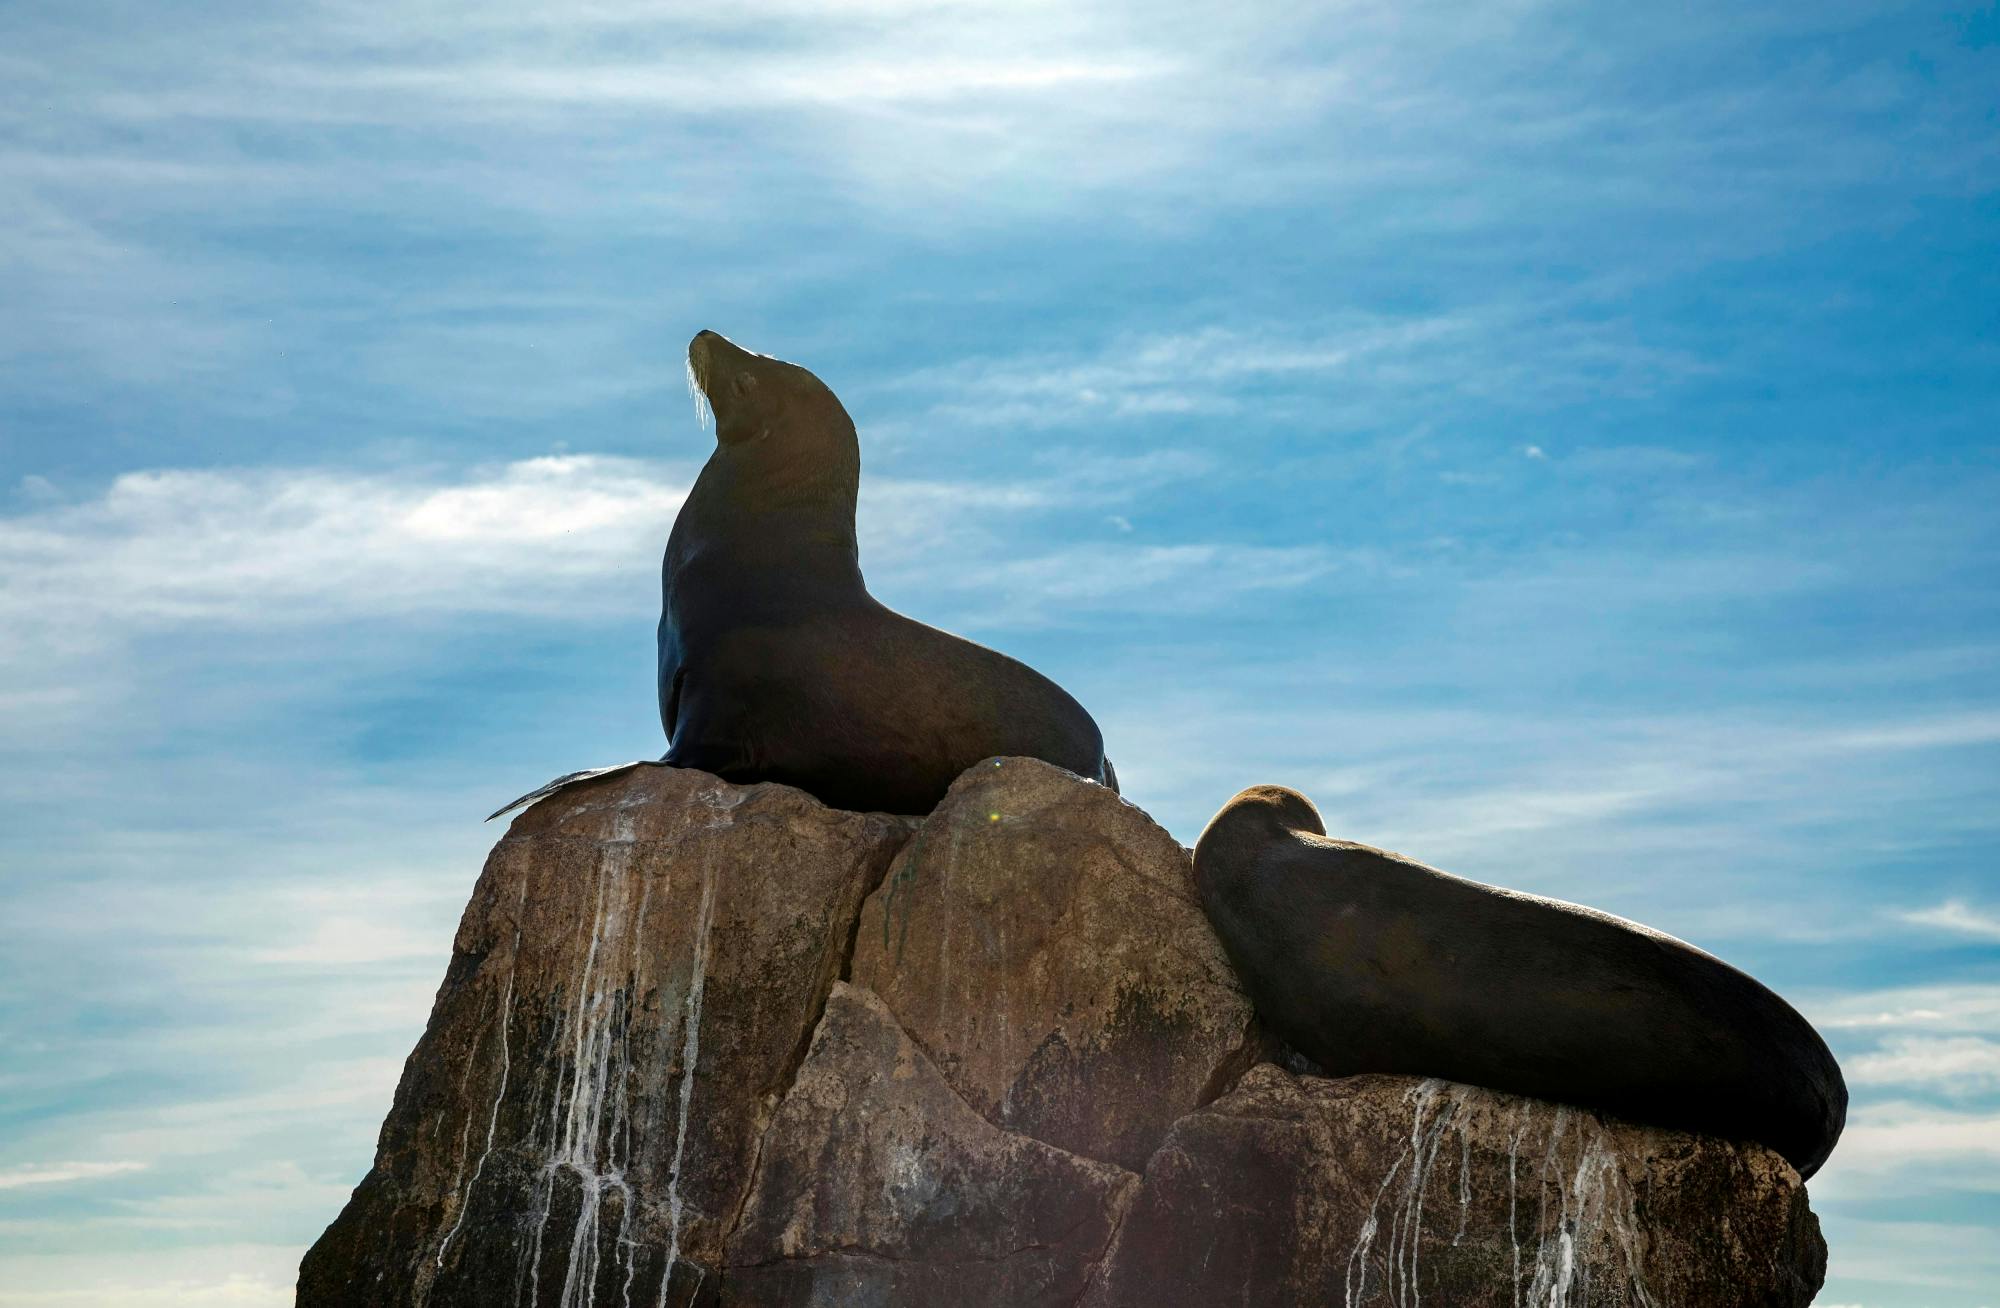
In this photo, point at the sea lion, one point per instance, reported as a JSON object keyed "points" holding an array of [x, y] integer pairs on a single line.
{"points": [[1366, 961], [776, 664]]}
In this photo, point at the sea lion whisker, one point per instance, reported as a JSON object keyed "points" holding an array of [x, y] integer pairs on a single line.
{"points": [[703, 411]]}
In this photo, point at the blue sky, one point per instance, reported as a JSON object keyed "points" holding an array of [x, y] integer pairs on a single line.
{"points": [[1562, 441]]}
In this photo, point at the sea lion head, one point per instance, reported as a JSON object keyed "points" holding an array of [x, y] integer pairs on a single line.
{"points": [[768, 408], [1276, 806], [1249, 823]]}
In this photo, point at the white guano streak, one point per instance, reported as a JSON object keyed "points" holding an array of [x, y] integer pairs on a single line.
{"points": [[1595, 1205], [588, 1126], [506, 1065], [690, 1057]]}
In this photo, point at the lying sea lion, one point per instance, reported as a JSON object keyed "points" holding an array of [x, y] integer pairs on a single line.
{"points": [[1368, 962]]}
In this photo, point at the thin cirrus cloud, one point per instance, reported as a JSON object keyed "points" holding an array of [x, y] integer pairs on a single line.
{"points": [[1902, 1147], [1957, 1065], [701, 85], [14, 1178], [1968, 1007], [54, 1282], [1922, 1063], [1957, 917], [1520, 356], [568, 533], [264, 545], [927, 80]]}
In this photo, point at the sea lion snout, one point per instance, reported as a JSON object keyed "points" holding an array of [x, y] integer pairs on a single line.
{"points": [[728, 379], [753, 395], [709, 357]]}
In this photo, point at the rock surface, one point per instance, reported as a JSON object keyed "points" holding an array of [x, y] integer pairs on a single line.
{"points": [[878, 1184], [715, 1044], [1043, 942], [1389, 1190], [639, 971]]}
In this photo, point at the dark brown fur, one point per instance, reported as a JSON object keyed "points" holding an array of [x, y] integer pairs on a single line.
{"points": [[1368, 962], [775, 663]]}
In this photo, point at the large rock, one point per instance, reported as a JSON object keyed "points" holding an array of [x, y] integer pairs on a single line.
{"points": [[703, 1043], [1041, 939], [633, 984], [1379, 1190], [879, 1185]]}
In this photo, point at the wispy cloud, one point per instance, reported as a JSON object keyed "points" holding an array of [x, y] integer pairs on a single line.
{"points": [[625, 119], [13, 1178], [270, 546], [1899, 1147], [1363, 365], [1908, 1261], [211, 1277], [1119, 577], [1964, 1008], [353, 924], [1955, 915], [1956, 1065], [568, 534], [850, 84], [1644, 774]]}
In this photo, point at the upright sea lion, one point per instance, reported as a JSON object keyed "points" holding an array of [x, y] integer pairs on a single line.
{"points": [[1368, 962], [776, 664]]}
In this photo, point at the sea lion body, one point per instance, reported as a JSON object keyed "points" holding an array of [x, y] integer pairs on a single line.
{"points": [[1369, 962], [775, 663]]}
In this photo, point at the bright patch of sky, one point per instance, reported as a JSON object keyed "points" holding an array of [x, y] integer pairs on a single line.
{"points": [[1563, 441]]}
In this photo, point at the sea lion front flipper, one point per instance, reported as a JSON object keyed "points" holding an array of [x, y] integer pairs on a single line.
{"points": [[567, 779]]}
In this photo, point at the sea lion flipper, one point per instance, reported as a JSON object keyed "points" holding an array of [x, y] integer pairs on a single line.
{"points": [[568, 778]]}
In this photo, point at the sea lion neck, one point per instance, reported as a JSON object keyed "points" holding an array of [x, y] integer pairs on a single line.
{"points": [[790, 474], [742, 524], [785, 448]]}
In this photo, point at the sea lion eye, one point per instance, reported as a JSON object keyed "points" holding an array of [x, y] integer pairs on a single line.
{"points": [[742, 383]]}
